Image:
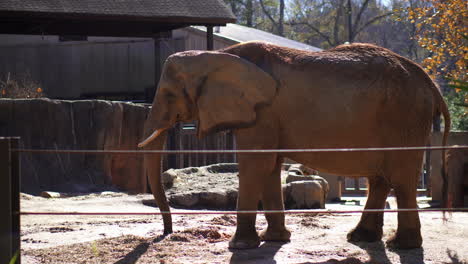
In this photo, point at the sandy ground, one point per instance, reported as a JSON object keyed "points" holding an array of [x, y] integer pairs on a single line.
{"points": [[204, 238]]}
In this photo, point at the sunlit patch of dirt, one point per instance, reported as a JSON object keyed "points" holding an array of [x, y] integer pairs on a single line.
{"points": [[225, 220], [211, 234], [316, 238]]}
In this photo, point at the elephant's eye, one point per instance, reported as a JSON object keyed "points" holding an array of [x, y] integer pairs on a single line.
{"points": [[170, 96]]}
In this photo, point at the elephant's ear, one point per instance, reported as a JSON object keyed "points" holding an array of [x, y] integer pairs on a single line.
{"points": [[230, 93]]}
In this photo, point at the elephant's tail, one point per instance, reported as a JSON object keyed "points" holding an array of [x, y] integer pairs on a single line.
{"points": [[441, 108]]}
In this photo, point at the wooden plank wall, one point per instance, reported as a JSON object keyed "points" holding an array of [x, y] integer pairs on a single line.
{"points": [[71, 69], [196, 40]]}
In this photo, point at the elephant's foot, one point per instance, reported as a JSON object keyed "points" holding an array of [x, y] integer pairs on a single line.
{"points": [[360, 234], [244, 241], [270, 234], [406, 239]]}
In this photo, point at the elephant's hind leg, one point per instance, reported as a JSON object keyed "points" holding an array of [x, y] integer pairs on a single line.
{"points": [[404, 180], [369, 228], [272, 200]]}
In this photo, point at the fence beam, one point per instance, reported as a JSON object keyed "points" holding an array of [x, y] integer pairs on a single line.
{"points": [[209, 38], [9, 200]]}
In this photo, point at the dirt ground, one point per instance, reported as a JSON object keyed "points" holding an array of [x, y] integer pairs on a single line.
{"points": [[316, 238]]}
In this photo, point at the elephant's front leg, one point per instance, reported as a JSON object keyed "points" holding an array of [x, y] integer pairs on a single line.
{"points": [[253, 171], [272, 200]]}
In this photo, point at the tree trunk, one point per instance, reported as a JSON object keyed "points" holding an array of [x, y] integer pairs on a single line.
{"points": [[349, 13], [281, 19], [249, 13]]}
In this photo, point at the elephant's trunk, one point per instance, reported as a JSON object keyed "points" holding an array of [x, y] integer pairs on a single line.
{"points": [[153, 170]]}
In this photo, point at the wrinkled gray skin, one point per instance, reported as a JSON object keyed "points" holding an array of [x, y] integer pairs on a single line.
{"points": [[352, 96]]}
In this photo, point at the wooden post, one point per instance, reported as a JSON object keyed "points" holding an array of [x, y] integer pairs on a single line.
{"points": [[209, 38], [9, 200], [161, 52]]}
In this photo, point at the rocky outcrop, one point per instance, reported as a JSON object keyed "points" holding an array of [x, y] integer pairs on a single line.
{"points": [[210, 187], [215, 187], [303, 189], [87, 124]]}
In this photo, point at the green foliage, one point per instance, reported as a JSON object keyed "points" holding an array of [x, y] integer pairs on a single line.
{"points": [[15, 258], [458, 109], [459, 85]]}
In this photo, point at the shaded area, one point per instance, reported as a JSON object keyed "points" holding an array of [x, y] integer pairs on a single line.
{"points": [[455, 259], [264, 254], [133, 256]]}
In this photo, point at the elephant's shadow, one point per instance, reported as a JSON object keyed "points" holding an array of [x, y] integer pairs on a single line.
{"points": [[377, 254], [263, 254]]}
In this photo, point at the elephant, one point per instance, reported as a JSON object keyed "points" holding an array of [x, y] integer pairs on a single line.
{"points": [[274, 97]]}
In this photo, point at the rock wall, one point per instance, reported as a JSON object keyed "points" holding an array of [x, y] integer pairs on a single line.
{"points": [[89, 124]]}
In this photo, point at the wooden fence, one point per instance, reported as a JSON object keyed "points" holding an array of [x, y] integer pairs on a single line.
{"points": [[359, 186], [183, 137]]}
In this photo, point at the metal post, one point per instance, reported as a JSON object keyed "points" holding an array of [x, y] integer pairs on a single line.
{"points": [[9, 200], [209, 38]]}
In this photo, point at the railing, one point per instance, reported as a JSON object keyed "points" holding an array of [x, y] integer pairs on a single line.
{"points": [[10, 186]]}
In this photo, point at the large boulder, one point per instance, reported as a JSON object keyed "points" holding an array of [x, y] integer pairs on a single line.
{"points": [[215, 187], [85, 124], [304, 195], [304, 191], [210, 187]]}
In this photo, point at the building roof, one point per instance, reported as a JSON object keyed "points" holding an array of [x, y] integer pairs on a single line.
{"points": [[149, 15], [238, 33]]}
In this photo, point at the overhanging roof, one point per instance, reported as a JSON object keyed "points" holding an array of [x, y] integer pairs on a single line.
{"points": [[238, 33], [142, 18]]}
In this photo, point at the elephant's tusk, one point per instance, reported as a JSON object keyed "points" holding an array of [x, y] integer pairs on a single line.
{"points": [[153, 136]]}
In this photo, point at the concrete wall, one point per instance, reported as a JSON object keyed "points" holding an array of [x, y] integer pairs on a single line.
{"points": [[334, 183], [455, 138], [90, 124]]}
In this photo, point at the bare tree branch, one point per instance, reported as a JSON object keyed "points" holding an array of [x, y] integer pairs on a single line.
{"points": [[361, 11], [327, 38], [371, 21], [339, 14], [268, 14]]}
